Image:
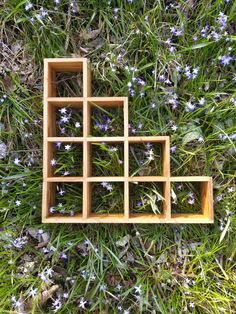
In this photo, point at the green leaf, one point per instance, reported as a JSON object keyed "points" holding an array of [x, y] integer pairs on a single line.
{"points": [[193, 135], [224, 231], [199, 46]]}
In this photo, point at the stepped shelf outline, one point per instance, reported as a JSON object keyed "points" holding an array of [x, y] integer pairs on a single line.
{"points": [[85, 103]]}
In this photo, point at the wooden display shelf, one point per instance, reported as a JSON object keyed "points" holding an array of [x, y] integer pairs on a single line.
{"points": [[86, 103]]}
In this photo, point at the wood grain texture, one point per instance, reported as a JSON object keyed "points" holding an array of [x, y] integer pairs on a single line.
{"points": [[87, 102]]}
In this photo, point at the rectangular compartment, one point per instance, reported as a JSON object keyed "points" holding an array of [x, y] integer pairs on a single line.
{"points": [[67, 199], [66, 118], [106, 117], [107, 159], [66, 159], [149, 156], [185, 197], [145, 159], [106, 198], [146, 198], [191, 199], [67, 77]]}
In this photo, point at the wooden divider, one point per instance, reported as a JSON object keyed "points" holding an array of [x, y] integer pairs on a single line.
{"points": [[87, 102]]}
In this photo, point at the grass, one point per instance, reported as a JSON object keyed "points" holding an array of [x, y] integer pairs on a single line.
{"points": [[146, 197], [142, 50], [68, 198]]}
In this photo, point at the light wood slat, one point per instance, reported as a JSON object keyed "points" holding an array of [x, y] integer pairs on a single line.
{"points": [[86, 199], [65, 179], [117, 139], [126, 160], [105, 179], [107, 101], [207, 198], [133, 218], [65, 139], [166, 158], [167, 199], [147, 179], [66, 64], [137, 139], [190, 179], [87, 89], [57, 101]]}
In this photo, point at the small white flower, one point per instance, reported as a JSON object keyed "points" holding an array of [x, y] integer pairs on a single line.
{"points": [[45, 250], [230, 189], [202, 101], [173, 149], [56, 305], [28, 6], [113, 149], [82, 303], [196, 70], [53, 162], [67, 147], [43, 277], [52, 209], [17, 202], [189, 106], [174, 127], [17, 161], [33, 292], [150, 157], [63, 110], [63, 255], [52, 248], [49, 272], [109, 187], [191, 201], [102, 287], [191, 304], [200, 139], [77, 125], [138, 289], [65, 119]]}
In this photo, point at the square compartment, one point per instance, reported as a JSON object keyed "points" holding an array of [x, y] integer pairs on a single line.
{"points": [[67, 198], [65, 77], [146, 197], [69, 121], [107, 118], [107, 159], [107, 198], [67, 159], [65, 118], [186, 198], [145, 159], [194, 164]]}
